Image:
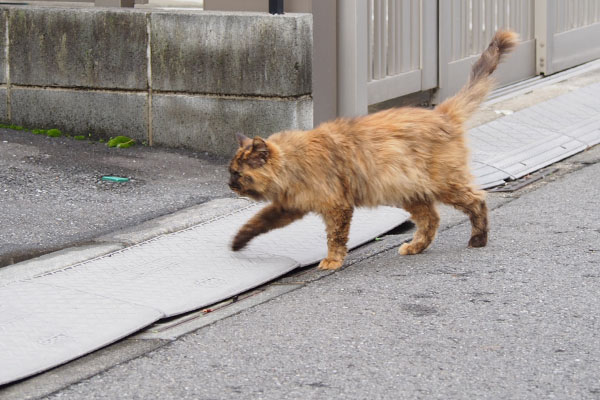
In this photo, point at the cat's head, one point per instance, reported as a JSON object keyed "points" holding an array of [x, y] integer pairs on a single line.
{"points": [[252, 168]]}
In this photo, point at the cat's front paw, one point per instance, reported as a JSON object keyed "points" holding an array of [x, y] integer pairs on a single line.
{"points": [[239, 242], [330, 263]]}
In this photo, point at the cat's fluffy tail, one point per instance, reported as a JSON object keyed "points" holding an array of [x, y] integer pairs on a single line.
{"points": [[460, 107]]}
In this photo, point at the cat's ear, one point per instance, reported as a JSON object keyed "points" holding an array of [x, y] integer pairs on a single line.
{"points": [[243, 140], [259, 145], [260, 152]]}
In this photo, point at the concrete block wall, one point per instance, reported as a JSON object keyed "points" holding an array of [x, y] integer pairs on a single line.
{"points": [[175, 78]]}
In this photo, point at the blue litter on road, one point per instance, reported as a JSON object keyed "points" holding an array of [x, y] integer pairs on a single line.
{"points": [[114, 179]]}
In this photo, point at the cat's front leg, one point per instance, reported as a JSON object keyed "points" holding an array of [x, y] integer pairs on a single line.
{"points": [[271, 217], [337, 222]]}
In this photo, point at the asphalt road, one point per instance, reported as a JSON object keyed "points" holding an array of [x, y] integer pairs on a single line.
{"points": [[52, 195], [518, 319]]}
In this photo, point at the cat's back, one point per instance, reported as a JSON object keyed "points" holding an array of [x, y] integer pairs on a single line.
{"points": [[404, 123], [375, 158]]}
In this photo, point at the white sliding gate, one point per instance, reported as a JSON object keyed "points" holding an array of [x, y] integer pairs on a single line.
{"points": [[369, 51], [386, 49], [568, 33], [466, 28], [402, 55], [554, 35]]}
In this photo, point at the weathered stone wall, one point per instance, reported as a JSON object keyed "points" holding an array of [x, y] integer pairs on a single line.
{"points": [[174, 78]]}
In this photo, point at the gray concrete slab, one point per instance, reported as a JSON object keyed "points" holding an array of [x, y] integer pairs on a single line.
{"points": [[44, 325], [75, 47], [3, 104], [82, 112], [55, 261], [3, 15], [523, 142], [232, 53], [201, 122]]}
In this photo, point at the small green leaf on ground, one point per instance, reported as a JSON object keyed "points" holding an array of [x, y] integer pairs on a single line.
{"points": [[54, 132], [121, 142], [79, 137]]}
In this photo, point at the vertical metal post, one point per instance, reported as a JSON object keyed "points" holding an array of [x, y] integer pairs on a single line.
{"points": [[429, 44], [545, 26], [324, 68], [353, 55], [444, 56], [276, 6]]}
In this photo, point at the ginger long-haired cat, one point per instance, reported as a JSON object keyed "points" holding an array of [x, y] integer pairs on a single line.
{"points": [[404, 157]]}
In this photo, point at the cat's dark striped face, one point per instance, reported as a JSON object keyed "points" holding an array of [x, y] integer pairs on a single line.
{"points": [[246, 174]]}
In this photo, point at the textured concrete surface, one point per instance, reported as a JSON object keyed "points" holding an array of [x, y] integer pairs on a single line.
{"points": [[78, 112], [536, 136], [233, 54], [203, 122], [516, 319], [3, 14], [92, 48], [3, 104]]}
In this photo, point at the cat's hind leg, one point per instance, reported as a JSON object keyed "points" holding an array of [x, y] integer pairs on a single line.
{"points": [[427, 219], [472, 202], [270, 217], [337, 222]]}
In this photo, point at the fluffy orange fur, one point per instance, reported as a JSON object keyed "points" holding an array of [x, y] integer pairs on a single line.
{"points": [[404, 157]]}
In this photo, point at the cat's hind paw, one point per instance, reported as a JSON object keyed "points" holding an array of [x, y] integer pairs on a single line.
{"points": [[408, 249], [330, 264]]}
